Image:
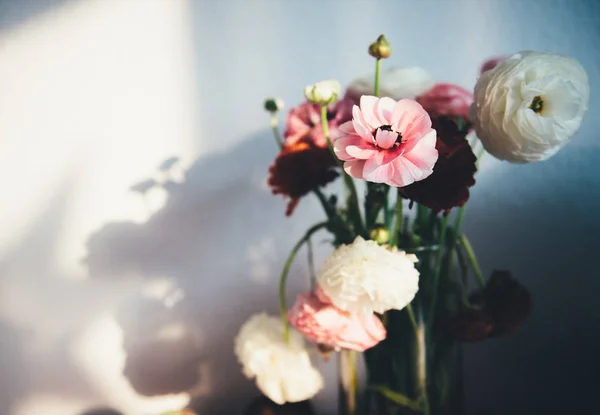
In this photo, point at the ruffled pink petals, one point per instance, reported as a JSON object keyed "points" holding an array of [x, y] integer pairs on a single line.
{"points": [[323, 323], [368, 109], [389, 142], [354, 168], [360, 125], [410, 118], [447, 100], [385, 109]]}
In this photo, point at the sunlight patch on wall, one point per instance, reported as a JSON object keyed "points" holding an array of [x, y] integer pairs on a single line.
{"points": [[103, 92]]}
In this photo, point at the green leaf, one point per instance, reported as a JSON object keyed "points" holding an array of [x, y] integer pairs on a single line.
{"points": [[397, 397]]}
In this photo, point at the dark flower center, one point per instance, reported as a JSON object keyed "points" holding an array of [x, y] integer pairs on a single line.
{"points": [[537, 104], [388, 128]]}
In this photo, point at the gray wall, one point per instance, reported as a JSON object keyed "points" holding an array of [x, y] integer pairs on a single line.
{"points": [[110, 298]]}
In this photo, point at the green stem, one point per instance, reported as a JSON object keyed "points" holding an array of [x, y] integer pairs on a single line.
{"points": [[349, 380], [464, 273], [411, 316], [459, 219], [438, 267], [421, 360], [275, 128], [377, 75], [284, 274], [311, 264], [326, 206], [472, 259], [353, 207], [399, 221]]}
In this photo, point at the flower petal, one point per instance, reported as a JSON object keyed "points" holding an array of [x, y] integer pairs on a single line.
{"points": [[354, 168], [368, 104], [385, 109], [348, 128], [360, 125], [352, 146], [423, 154], [376, 172], [409, 118], [385, 139]]}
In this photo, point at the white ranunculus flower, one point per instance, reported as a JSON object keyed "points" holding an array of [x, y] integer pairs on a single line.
{"points": [[365, 277], [283, 371], [530, 105], [396, 83], [324, 92]]}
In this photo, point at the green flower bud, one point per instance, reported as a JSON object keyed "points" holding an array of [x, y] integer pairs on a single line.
{"points": [[273, 104], [380, 235], [381, 48]]}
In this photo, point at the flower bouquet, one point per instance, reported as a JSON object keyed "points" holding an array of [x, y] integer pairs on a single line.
{"points": [[403, 286]]}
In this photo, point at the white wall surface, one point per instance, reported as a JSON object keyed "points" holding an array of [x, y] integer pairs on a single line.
{"points": [[115, 297]]}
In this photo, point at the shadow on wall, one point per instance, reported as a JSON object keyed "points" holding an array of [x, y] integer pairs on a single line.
{"points": [[215, 239]]}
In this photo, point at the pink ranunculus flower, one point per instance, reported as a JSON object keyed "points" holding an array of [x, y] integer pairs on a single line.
{"points": [[447, 99], [323, 323], [387, 142], [304, 122], [491, 63]]}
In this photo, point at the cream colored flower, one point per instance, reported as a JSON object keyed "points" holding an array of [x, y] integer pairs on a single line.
{"points": [[365, 277], [283, 371], [530, 105], [324, 92], [396, 83]]}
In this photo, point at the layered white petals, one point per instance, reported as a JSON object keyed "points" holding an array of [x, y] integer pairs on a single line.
{"points": [[507, 120], [365, 277], [396, 83], [324, 92], [283, 371]]}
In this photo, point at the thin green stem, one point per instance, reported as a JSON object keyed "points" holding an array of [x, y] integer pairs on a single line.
{"points": [[377, 76], [464, 273], [411, 316], [284, 274], [438, 267], [349, 382], [326, 206], [311, 264], [472, 259], [459, 219], [395, 238], [353, 206], [421, 361], [275, 128]]}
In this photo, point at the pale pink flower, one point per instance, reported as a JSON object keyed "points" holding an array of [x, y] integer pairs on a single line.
{"points": [[304, 122], [387, 142], [448, 100], [491, 63], [323, 323]]}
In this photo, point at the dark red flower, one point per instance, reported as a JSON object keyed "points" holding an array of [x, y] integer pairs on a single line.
{"points": [[471, 324], [500, 308], [299, 169], [453, 173], [508, 301], [305, 162]]}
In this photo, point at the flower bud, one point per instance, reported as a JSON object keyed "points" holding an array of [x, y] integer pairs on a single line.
{"points": [[381, 48], [380, 234], [324, 92], [273, 105]]}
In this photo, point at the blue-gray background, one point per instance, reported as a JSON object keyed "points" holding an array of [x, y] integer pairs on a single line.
{"points": [[220, 238]]}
